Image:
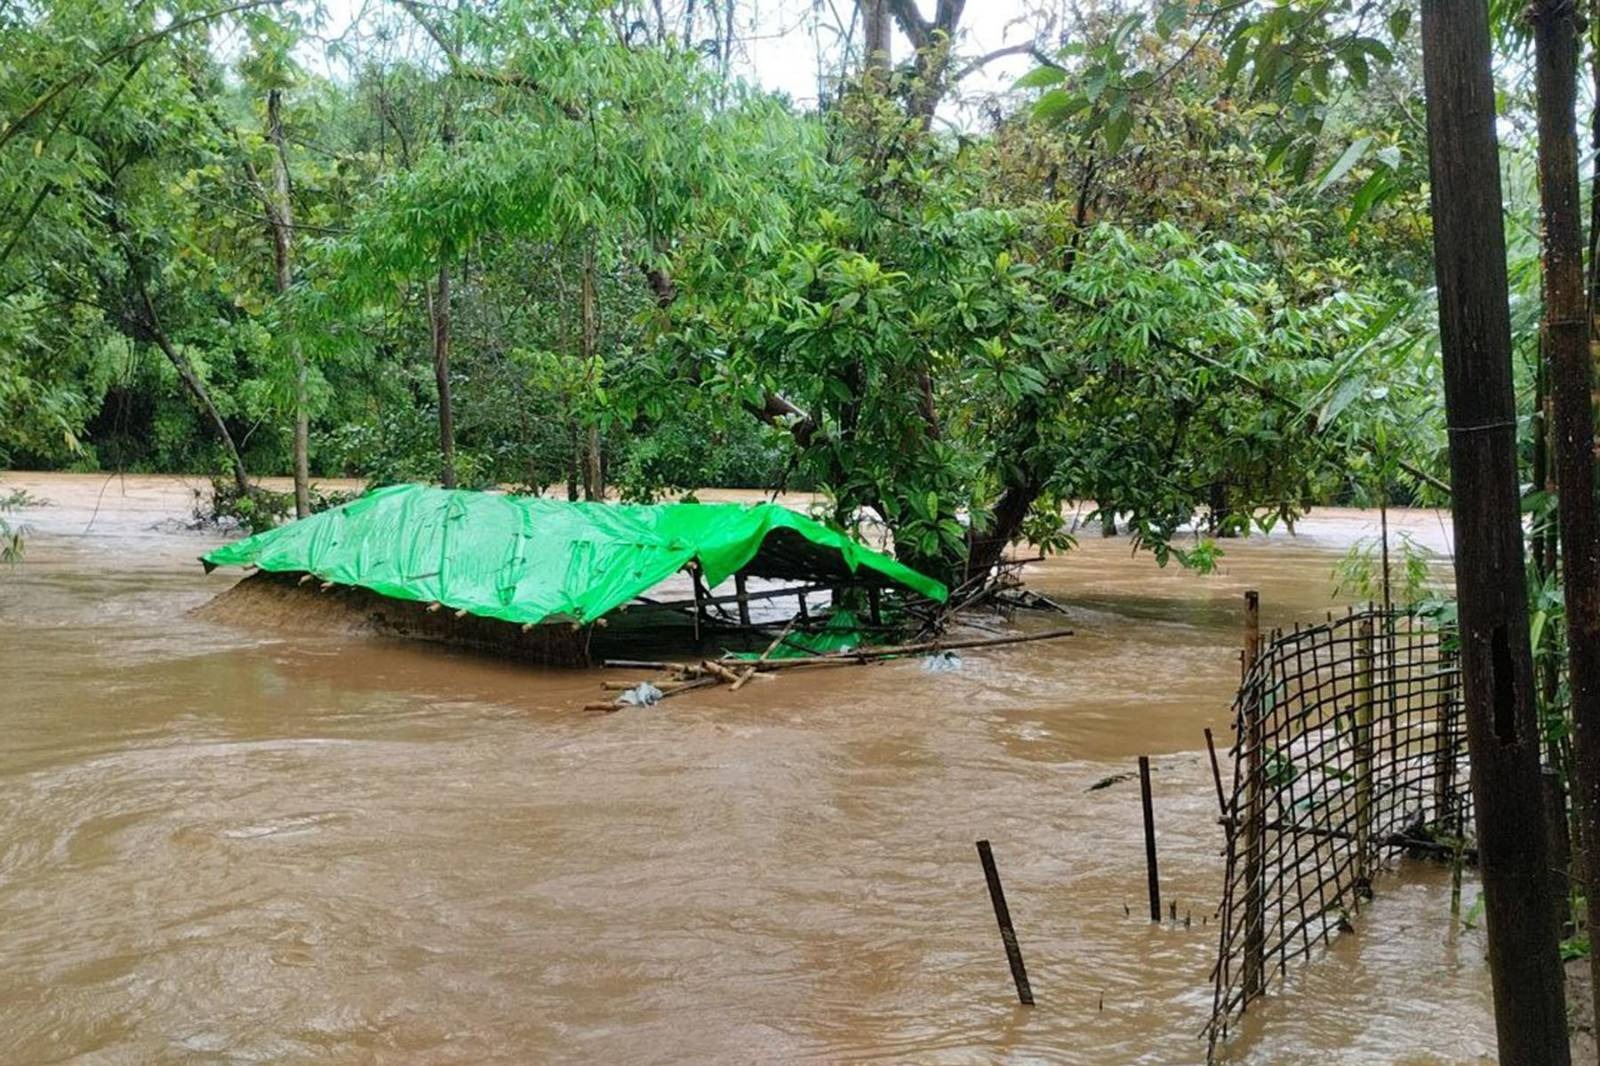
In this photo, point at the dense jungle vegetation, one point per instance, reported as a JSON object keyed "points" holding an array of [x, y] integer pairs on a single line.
{"points": [[1179, 267]]}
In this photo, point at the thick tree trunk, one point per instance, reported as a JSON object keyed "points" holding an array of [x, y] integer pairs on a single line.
{"points": [[1567, 337], [282, 213], [985, 550], [1497, 667], [439, 310], [589, 342]]}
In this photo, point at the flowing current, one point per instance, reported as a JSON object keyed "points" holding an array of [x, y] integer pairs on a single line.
{"points": [[257, 845]]}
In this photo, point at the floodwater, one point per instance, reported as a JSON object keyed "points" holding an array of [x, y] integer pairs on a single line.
{"points": [[227, 846]]}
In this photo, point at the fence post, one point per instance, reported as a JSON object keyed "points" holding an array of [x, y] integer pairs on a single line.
{"points": [[1151, 876], [1444, 751], [1363, 751], [1250, 707], [1002, 915]]}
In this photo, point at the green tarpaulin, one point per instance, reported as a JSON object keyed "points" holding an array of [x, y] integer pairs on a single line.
{"points": [[525, 559]]}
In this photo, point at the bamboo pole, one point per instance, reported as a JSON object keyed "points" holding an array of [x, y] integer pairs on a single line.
{"points": [[779, 639], [718, 670], [1444, 750], [1255, 903], [717, 601], [1363, 753], [868, 654]]}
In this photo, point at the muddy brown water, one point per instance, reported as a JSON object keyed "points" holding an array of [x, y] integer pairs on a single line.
{"points": [[220, 845]]}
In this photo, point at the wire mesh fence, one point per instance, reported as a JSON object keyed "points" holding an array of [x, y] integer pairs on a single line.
{"points": [[1349, 748]]}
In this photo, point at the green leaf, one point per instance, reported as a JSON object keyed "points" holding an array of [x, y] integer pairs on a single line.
{"points": [[1171, 17], [1058, 105], [1341, 166], [1236, 57], [1377, 188], [1117, 130], [1039, 78], [1399, 22]]}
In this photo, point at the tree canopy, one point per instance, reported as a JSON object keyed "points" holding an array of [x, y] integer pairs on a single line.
{"points": [[1175, 270]]}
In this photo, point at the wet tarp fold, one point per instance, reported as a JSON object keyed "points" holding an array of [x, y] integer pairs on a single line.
{"points": [[526, 559]]}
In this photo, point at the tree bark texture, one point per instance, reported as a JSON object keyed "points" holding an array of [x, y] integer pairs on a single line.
{"points": [[1566, 325], [1497, 665]]}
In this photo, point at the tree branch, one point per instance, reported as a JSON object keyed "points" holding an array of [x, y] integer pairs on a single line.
{"points": [[1026, 48], [109, 54]]}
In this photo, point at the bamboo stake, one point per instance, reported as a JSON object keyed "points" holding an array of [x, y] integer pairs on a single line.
{"points": [[748, 674], [1008, 933], [1254, 806], [1151, 876], [1363, 752]]}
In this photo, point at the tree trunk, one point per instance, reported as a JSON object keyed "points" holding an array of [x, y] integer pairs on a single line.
{"points": [[589, 341], [1497, 667], [1567, 336], [439, 311], [875, 25], [574, 461], [282, 216]]}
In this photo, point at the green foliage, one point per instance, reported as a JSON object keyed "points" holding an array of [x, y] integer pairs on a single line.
{"points": [[11, 535], [1413, 572], [1143, 289]]}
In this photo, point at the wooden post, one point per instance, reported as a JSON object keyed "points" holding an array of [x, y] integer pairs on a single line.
{"points": [[1002, 915], [1362, 739], [1250, 710], [1444, 748], [1151, 876], [805, 615], [1252, 632], [694, 578], [875, 605], [1491, 583], [744, 598]]}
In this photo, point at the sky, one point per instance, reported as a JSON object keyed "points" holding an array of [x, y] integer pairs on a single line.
{"points": [[781, 52], [779, 42]]}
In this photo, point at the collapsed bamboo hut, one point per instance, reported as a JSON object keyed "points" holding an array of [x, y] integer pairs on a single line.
{"points": [[556, 582]]}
